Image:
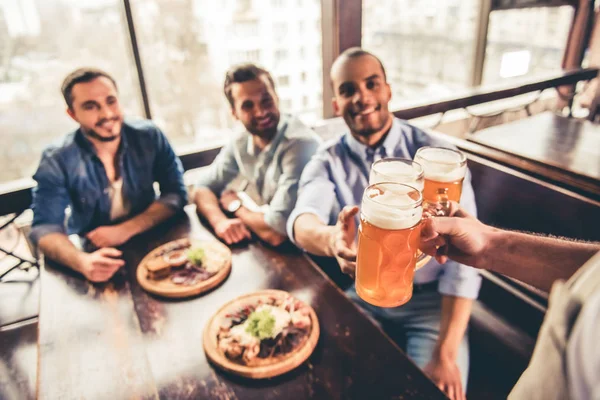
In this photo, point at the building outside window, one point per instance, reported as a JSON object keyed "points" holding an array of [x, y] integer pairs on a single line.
{"points": [[428, 47], [40, 43], [283, 81], [185, 47], [526, 42]]}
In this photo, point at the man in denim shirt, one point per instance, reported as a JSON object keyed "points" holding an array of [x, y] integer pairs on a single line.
{"points": [[270, 156], [324, 221], [105, 172]]}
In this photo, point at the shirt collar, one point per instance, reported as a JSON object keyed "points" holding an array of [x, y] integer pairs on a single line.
{"points": [[255, 151], [394, 136], [84, 143]]}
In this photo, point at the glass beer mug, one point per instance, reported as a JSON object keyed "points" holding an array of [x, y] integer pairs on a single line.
{"points": [[445, 171], [398, 170], [388, 243]]}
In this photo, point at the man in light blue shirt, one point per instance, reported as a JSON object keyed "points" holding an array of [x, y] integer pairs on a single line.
{"points": [[269, 156], [324, 220]]}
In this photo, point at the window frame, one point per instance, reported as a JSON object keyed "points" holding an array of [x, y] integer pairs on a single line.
{"points": [[341, 28]]}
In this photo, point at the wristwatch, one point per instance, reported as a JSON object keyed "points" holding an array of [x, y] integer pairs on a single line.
{"points": [[234, 206]]}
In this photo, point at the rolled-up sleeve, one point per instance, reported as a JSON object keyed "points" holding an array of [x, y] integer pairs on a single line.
{"points": [[316, 194], [295, 158], [50, 199], [168, 172], [457, 279], [221, 172]]}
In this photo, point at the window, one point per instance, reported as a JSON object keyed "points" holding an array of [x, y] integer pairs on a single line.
{"points": [[238, 57], [246, 29], [283, 81], [185, 48], [185, 86], [243, 5], [281, 55], [41, 42], [427, 47], [526, 42], [286, 104], [305, 101], [279, 30], [303, 77]]}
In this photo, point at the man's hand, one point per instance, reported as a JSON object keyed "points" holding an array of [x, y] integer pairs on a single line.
{"points": [[342, 241], [227, 197], [232, 230], [109, 236], [100, 265], [460, 237], [445, 374]]}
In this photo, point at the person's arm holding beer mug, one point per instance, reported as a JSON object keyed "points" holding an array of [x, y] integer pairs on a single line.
{"points": [[566, 352], [446, 178], [530, 258], [313, 228], [459, 286], [391, 218], [313, 235]]}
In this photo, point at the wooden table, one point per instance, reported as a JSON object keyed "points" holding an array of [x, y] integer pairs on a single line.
{"points": [[569, 145], [117, 341]]}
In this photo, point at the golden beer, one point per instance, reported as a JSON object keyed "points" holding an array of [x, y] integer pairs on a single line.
{"points": [[436, 192], [398, 170], [388, 243], [444, 170]]}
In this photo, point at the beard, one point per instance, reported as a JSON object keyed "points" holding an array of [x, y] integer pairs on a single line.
{"points": [[267, 133], [264, 134], [371, 130], [95, 135]]}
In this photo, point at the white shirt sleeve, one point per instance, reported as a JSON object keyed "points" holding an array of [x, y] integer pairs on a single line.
{"points": [[316, 194], [583, 352]]}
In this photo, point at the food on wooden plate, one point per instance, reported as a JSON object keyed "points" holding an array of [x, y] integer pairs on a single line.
{"points": [[158, 268], [177, 258], [181, 262], [266, 331]]}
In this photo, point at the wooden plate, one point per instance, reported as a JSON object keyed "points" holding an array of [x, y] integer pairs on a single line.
{"points": [[259, 372], [215, 252]]}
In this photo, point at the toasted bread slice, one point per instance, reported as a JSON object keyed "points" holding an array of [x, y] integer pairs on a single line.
{"points": [[158, 268]]}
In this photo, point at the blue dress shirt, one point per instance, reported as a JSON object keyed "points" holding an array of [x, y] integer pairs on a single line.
{"points": [[338, 174]]}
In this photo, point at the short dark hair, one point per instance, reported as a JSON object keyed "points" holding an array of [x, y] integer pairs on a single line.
{"points": [[243, 73], [354, 52], [81, 75]]}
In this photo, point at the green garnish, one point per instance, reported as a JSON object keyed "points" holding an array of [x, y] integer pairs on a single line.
{"points": [[196, 256], [261, 324]]}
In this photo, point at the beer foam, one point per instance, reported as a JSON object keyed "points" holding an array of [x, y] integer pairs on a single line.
{"points": [[391, 209], [441, 165], [445, 173], [396, 171]]}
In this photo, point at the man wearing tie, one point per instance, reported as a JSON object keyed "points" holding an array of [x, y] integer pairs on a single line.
{"points": [[324, 221]]}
